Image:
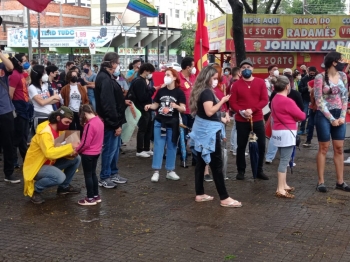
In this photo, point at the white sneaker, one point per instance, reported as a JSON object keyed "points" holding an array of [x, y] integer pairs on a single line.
{"points": [[149, 152], [347, 161], [172, 176], [155, 177], [246, 154], [142, 154], [296, 164], [235, 153]]}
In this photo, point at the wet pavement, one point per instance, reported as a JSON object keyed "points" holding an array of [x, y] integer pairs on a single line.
{"points": [[144, 221]]}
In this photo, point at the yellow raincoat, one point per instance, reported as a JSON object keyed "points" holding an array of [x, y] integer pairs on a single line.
{"points": [[41, 149]]}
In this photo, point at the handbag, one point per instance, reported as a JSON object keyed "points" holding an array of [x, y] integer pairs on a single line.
{"points": [[4, 85]]}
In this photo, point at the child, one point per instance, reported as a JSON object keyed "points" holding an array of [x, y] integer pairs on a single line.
{"points": [[90, 149]]}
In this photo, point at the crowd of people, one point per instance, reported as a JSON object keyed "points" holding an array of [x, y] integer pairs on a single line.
{"points": [[37, 104]]}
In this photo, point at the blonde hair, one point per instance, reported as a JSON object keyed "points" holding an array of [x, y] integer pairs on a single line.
{"points": [[202, 83]]}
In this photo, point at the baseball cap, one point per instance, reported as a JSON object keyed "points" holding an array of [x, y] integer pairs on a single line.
{"points": [[246, 62], [288, 71], [312, 69], [65, 112]]}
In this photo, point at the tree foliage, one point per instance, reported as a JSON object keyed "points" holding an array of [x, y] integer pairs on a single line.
{"points": [[188, 35]]}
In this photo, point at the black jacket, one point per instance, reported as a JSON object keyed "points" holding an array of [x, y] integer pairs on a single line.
{"points": [[110, 102], [303, 88], [294, 95], [142, 93]]}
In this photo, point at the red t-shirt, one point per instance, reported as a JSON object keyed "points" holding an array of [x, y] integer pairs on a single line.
{"points": [[17, 81], [243, 97], [55, 135], [186, 87], [220, 94]]}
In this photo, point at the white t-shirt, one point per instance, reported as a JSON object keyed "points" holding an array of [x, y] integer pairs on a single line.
{"points": [[44, 94], [284, 138], [74, 99]]}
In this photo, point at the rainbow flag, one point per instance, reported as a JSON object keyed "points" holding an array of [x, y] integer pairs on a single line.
{"points": [[143, 7]]}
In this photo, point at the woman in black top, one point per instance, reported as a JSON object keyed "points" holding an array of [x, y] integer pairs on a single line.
{"points": [[169, 102]]}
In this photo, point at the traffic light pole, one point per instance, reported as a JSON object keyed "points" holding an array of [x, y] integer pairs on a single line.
{"points": [[158, 40]]}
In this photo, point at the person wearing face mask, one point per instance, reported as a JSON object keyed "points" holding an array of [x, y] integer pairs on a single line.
{"points": [[226, 78], [18, 92], [110, 107], [169, 102], [248, 98], [297, 78], [62, 76], [81, 81], [304, 71], [331, 96], [141, 94], [90, 78], [134, 72], [273, 72], [119, 77], [187, 79], [285, 114], [44, 162], [73, 96], [304, 91], [40, 95]]}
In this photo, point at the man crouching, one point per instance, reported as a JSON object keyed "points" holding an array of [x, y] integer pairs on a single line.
{"points": [[44, 162]]}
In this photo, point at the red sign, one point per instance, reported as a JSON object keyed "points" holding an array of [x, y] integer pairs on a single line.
{"points": [[263, 32], [263, 60], [92, 45]]}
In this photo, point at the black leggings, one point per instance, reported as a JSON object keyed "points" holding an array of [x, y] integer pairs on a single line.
{"points": [[89, 164], [216, 166]]}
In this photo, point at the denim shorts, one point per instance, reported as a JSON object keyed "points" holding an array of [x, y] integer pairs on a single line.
{"points": [[324, 128]]}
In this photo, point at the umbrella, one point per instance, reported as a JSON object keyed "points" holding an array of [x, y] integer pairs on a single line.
{"points": [[253, 150], [182, 142], [224, 158]]}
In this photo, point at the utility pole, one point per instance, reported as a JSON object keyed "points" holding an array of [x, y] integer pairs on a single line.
{"points": [[39, 44], [61, 18], [29, 34], [158, 36], [166, 40]]}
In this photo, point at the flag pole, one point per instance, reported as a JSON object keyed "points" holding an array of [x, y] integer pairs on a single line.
{"points": [[201, 46]]}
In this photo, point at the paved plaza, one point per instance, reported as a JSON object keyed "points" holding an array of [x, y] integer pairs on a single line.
{"points": [[144, 221]]}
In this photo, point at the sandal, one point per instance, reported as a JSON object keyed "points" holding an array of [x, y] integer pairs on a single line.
{"points": [[205, 199], [287, 195], [343, 187], [321, 188], [234, 203], [292, 189]]}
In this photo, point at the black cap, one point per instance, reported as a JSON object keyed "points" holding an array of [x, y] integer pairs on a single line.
{"points": [[246, 62], [312, 68]]}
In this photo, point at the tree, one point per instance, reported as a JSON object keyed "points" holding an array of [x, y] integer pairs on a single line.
{"points": [[325, 7], [264, 6], [237, 22], [188, 35]]}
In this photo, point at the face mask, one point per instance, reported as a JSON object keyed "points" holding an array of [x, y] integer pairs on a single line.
{"points": [[312, 76], [86, 70], [45, 78], [149, 76], [26, 66], [214, 83], [193, 71], [247, 73], [276, 73], [62, 127], [167, 80], [227, 73], [74, 79], [56, 77], [339, 66], [116, 73], [299, 77]]}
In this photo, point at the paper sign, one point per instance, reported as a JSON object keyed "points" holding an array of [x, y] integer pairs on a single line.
{"points": [[345, 51]]}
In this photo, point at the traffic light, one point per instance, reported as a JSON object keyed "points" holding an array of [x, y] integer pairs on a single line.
{"points": [[161, 49], [161, 18], [107, 17]]}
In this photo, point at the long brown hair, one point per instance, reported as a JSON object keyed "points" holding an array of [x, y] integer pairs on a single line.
{"points": [[85, 109]]}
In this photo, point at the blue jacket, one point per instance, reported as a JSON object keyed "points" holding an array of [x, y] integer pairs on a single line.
{"points": [[203, 136]]}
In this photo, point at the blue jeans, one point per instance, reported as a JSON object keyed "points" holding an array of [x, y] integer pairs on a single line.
{"points": [[306, 111], [310, 125], [271, 151], [110, 154], [233, 138], [324, 128], [158, 149], [49, 176], [188, 121], [91, 96]]}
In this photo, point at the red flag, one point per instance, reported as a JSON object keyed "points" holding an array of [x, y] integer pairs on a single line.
{"points": [[36, 5], [201, 46]]}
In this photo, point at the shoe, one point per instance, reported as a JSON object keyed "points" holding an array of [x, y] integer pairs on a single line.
{"points": [[149, 152], [346, 150], [68, 190], [87, 202], [347, 161], [172, 176], [240, 176], [118, 179], [287, 195], [235, 153], [208, 178], [123, 144], [343, 187], [234, 203], [290, 190], [155, 177], [98, 199], [307, 144], [142, 154], [294, 164], [321, 188], [106, 183], [268, 162], [11, 179], [37, 198], [262, 176], [17, 166]]}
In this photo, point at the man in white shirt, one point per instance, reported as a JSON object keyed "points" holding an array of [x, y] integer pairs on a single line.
{"points": [[273, 71]]}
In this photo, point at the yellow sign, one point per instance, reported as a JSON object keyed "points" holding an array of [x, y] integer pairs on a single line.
{"points": [[217, 33], [345, 52]]}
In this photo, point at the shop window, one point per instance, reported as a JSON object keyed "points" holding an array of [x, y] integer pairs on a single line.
{"points": [[177, 13]]}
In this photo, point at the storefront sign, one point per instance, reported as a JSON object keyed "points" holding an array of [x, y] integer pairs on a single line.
{"points": [[263, 60], [345, 51], [142, 51], [65, 37]]}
